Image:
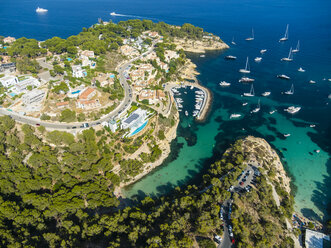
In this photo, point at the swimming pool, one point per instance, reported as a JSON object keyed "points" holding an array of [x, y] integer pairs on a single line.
{"points": [[75, 92], [138, 129], [12, 94]]}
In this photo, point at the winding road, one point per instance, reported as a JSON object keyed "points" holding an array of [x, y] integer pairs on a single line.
{"points": [[125, 104]]}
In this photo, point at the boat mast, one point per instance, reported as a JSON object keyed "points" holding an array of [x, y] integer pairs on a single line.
{"points": [[252, 90], [290, 53], [298, 46], [252, 33], [286, 32]]}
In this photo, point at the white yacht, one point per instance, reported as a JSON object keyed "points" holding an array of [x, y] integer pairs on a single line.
{"points": [[301, 69], [312, 82], [297, 49], [292, 109], [245, 103], [289, 57], [258, 59], [224, 84], [283, 76], [186, 113], [257, 109], [252, 37], [291, 91], [41, 10], [285, 38], [312, 125], [287, 135], [267, 93], [230, 57], [246, 80], [247, 69], [251, 92], [202, 55], [113, 14], [263, 51], [235, 116]]}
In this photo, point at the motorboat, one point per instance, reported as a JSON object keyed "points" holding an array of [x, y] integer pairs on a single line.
{"points": [[41, 10], [292, 109], [257, 109], [235, 116], [297, 49], [263, 51], [246, 80], [312, 125], [287, 135], [251, 92], [317, 151], [301, 69], [224, 84], [202, 55], [312, 82], [258, 59], [245, 103], [230, 57], [247, 69], [252, 37], [267, 93], [285, 38], [113, 14], [283, 76], [291, 91], [272, 112], [289, 57], [186, 113]]}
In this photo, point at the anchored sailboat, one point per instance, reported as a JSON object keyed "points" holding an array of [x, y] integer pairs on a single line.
{"points": [[285, 38], [257, 109], [291, 91], [290, 56], [247, 69], [251, 92], [297, 49], [232, 42], [252, 37]]}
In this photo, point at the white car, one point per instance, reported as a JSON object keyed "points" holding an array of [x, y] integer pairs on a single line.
{"points": [[218, 239]]}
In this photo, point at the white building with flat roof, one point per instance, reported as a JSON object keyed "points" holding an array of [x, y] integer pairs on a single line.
{"points": [[8, 81], [134, 120], [27, 81], [77, 71], [34, 96]]}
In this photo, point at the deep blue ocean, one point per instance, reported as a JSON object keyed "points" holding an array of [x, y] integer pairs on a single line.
{"points": [[199, 144]]}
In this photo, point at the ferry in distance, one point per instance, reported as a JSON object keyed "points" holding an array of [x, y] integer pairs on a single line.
{"points": [[41, 10]]}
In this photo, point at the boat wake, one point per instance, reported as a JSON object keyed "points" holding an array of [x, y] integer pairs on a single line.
{"points": [[132, 16]]}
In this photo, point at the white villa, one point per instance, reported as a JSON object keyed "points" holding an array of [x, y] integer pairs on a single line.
{"points": [[135, 120], [77, 71], [8, 81]]}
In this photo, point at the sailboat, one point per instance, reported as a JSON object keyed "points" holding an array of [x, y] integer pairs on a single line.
{"points": [[232, 42], [252, 37], [291, 91], [289, 58], [297, 49], [251, 92], [247, 69], [257, 109], [285, 38]]}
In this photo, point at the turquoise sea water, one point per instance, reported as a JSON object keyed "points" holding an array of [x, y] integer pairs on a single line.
{"points": [[198, 145]]}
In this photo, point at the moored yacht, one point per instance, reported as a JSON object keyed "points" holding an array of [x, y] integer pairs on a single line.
{"points": [[202, 55], [263, 51], [246, 80], [247, 69], [312, 125], [258, 59], [252, 37], [285, 38], [224, 84], [267, 93], [230, 57], [41, 10], [245, 103], [301, 69], [287, 135], [272, 112], [312, 82], [235, 116], [186, 113], [251, 92], [292, 109], [283, 76], [289, 57]]}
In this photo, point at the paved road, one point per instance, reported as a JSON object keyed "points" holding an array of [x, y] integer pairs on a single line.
{"points": [[226, 241], [125, 104]]}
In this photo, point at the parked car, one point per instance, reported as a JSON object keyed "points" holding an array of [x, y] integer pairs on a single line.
{"points": [[218, 239], [241, 183], [38, 124], [86, 125]]}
